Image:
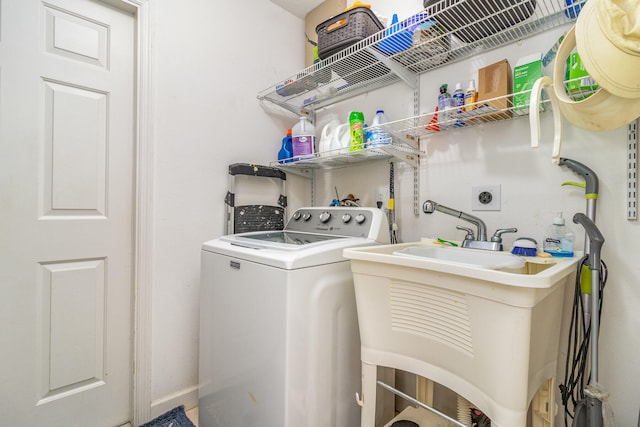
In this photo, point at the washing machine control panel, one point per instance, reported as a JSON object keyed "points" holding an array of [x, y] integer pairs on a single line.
{"points": [[343, 221]]}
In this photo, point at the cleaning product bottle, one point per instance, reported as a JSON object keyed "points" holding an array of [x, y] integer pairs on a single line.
{"points": [[458, 97], [444, 104], [378, 136], [356, 126], [559, 239], [471, 96], [458, 100], [303, 138], [285, 154], [551, 53]]}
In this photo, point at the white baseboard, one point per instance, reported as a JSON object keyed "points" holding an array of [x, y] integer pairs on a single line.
{"points": [[187, 397]]}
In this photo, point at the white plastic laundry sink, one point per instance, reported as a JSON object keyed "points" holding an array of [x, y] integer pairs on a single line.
{"points": [[484, 324], [470, 257]]}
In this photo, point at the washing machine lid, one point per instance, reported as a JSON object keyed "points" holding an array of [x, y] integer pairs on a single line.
{"points": [[279, 240], [313, 236], [287, 256]]}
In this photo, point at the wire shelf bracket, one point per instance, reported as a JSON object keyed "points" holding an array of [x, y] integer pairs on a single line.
{"points": [[632, 170]]}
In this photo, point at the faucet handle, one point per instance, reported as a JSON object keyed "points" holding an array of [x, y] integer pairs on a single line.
{"points": [[497, 236], [470, 235]]}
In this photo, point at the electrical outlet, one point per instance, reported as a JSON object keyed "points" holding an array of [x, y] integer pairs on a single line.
{"points": [[485, 197]]}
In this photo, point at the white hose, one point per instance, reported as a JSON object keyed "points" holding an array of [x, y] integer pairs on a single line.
{"points": [[534, 118]]}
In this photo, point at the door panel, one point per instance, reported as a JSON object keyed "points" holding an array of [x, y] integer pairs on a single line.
{"points": [[75, 151], [73, 304], [67, 156]]}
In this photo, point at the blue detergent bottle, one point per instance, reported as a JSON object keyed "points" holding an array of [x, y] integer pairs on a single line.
{"points": [[286, 152]]}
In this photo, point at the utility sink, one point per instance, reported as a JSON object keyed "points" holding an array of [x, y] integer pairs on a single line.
{"points": [[468, 257], [484, 324]]}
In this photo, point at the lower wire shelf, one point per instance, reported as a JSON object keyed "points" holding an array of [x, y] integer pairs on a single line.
{"points": [[340, 158]]}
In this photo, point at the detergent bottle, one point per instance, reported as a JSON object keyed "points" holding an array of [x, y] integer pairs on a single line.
{"points": [[303, 138], [285, 153]]}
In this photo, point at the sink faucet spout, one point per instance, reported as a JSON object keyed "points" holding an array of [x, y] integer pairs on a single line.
{"points": [[430, 206]]}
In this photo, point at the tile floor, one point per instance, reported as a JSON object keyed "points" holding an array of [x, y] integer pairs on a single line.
{"points": [[193, 415]]}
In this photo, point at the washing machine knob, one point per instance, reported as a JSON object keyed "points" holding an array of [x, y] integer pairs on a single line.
{"points": [[296, 215], [306, 216], [360, 218], [325, 216], [346, 218]]}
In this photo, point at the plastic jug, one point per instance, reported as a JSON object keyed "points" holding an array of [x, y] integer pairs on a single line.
{"points": [[325, 146], [303, 139], [378, 136], [340, 139]]}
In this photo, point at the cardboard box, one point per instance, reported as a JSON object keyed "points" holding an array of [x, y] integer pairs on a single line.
{"points": [[526, 72], [495, 81]]}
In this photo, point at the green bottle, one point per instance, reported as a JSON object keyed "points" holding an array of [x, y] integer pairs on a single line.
{"points": [[356, 126]]}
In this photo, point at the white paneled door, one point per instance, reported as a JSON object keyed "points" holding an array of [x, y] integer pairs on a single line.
{"points": [[67, 159]]}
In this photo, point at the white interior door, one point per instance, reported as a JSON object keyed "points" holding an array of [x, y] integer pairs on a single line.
{"points": [[67, 152]]}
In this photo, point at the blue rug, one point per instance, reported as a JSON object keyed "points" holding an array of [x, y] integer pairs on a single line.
{"points": [[174, 418]]}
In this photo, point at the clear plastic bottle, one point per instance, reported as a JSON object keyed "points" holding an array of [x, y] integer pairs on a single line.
{"points": [[303, 138], [378, 137], [285, 153], [458, 97], [559, 239], [444, 106]]}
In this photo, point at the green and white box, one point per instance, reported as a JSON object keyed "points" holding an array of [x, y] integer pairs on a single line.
{"points": [[525, 73], [579, 85]]}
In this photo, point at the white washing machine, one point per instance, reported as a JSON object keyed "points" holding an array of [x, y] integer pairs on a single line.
{"points": [[279, 340]]}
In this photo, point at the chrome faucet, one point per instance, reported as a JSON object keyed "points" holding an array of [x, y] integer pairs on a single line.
{"points": [[470, 240]]}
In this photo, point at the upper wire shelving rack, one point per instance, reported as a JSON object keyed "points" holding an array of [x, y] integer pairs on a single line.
{"points": [[364, 66]]}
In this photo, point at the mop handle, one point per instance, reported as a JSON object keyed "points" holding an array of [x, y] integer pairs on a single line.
{"points": [[596, 240], [590, 177]]}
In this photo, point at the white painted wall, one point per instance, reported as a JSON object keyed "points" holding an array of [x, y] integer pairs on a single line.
{"points": [[531, 194], [212, 59]]}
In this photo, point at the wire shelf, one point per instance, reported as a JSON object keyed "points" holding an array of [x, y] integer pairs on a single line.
{"points": [[482, 112], [339, 158], [405, 134], [426, 41]]}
